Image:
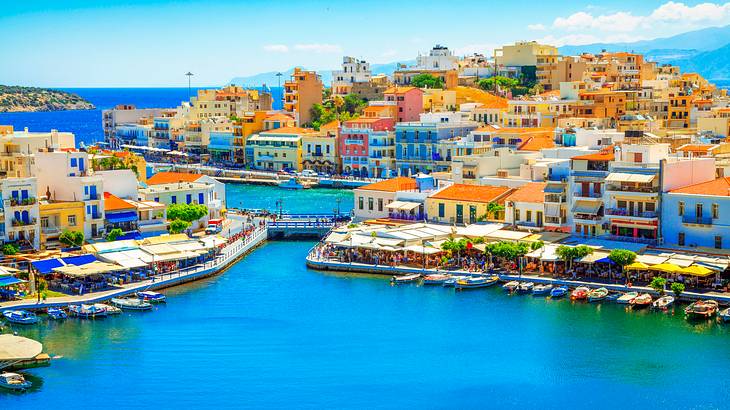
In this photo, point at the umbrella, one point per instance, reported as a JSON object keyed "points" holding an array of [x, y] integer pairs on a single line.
{"points": [[637, 266], [696, 270], [666, 268]]}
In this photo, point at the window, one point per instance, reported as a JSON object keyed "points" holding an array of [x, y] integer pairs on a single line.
{"points": [[442, 210], [157, 199], [380, 204], [173, 199], [680, 239], [188, 198], [472, 214], [680, 205], [72, 220], [718, 242], [360, 203], [370, 204], [201, 198], [517, 215], [715, 211], [73, 162], [528, 216]]}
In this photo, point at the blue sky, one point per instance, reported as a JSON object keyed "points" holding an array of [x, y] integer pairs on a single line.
{"points": [[88, 43]]}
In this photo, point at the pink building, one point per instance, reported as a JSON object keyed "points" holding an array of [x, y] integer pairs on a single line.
{"points": [[354, 141], [408, 102]]}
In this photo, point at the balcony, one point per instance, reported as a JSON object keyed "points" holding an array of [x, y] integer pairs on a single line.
{"points": [[590, 174], [587, 195], [631, 239], [631, 213], [17, 202], [51, 230], [588, 218], [633, 189], [697, 220], [354, 142], [18, 222]]}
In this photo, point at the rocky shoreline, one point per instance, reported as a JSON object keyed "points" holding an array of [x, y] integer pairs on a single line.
{"points": [[32, 99]]}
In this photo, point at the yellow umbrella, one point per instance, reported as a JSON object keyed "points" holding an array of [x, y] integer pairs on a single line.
{"points": [[637, 266], [697, 270], [666, 268]]}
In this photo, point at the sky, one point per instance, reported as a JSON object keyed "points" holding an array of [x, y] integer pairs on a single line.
{"points": [[128, 43]]}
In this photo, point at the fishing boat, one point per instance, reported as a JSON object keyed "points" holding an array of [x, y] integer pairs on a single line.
{"points": [[20, 317], [663, 302], [87, 311], [613, 296], [541, 289], [14, 381], [451, 282], [701, 309], [291, 183], [131, 304], [152, 297], [525, 287], [436, 279], [511, 286], [476, 282], [559, 292], [724, 315], [405, 278], [627, 297], [109, 309], [579, 293], [641, 301], [56, 313], [597, 295]]}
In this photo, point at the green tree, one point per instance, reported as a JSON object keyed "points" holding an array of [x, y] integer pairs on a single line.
{"points": [[178, 225], [537, 245], [10, 249], [427, 81], [658, 284], [454, 245], [71, 238], [114, 234], [622, 258], [186, 212], [677, 288], [493, 210], [569, 254]]}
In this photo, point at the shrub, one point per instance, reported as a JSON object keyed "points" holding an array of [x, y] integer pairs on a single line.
{"points": [[10, 249], [178, 225], [114, 234], [71, 238]]}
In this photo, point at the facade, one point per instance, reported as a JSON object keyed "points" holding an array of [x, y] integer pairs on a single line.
{"points": [[20, 216], [355, 139], [371, 201], [525, 207], [278, 149], [184, 193], [408, 102], [119, 214], [219, 188], [461, 204], [301, 92], [697, 215], [524, 53], [59, 216], [353, 71], [319, 153]]}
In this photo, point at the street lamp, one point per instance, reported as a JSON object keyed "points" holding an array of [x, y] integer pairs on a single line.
{"points": [[189, 74]]}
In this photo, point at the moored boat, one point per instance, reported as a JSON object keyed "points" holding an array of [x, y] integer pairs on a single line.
{"points": [[436, 279], [641, 301], [579, 293], [20, 317], [451, 282], [613, 296], [86, 311], [476, 282], [56, 313], [525, 287], [559, 292], [131, 304], [108, 309], [511, 286], [701, 309], [597, 295], [405, 278], [14, 381], [627, 297], [542, 289], [291, 183], [724, 315], [152, 297], [663, 302]]}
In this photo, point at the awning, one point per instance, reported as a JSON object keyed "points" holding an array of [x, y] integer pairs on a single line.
{"points": [[424, 250], [549, 254], [79, 260], [624, 177], [593, 257], [47, 265], [94, 268], [9, 280], [336, 237], [587, 207], [554, 189], [681, 262], [651, 259], [697, 270], [403, 205], [637, 266], [666, 268], [121, 217]]}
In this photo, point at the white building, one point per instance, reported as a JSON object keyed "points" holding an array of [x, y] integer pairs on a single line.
{"points": [[353, 71], [20, 213], [439, 58]]}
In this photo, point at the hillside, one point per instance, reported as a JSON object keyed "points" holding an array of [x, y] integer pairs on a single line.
{"points": [[713, 64], [27, 99]]}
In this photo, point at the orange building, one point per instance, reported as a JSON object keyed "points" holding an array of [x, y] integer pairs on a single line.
{"points": [[301, 93]]}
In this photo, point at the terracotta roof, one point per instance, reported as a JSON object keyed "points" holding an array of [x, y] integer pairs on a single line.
{"points": [[400, 90], [172, 177], [598, 156], [696, 147], [392, 185], [279, 117], [718, 187], [530, 192], [473, 193], [536, 143], [475, 95], [289, 130], [114, 203], [334, 124]]}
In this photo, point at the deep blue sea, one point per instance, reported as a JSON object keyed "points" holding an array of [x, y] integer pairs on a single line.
{"points": [[270, 333]]}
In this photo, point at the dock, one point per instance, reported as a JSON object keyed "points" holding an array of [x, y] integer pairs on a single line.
{"points": [[301, 226]]}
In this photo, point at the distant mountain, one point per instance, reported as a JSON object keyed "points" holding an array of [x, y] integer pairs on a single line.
{"points": [[31, 99], [270, 79], [713, 64]]}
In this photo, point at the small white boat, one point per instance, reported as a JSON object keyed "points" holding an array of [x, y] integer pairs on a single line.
{"points": [[87, 311], [451, 282], [663, 302], [152, 297], [405, 278], [131, 304], [291, 183], [20, 317], [109, 309], [56, 313], [436, 279], [724, 315], [627, 297], [14, 381], [511, 286], [541, 289], [476, 282]]}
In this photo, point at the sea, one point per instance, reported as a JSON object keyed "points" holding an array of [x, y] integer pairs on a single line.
{"points": [[271, 333]]}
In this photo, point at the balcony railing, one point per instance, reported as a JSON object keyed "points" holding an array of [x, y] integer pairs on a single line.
{"points": [[590, 174], [12, 202], [634, 213], [580, 194], [418, 216], [696, 220], [588, 217], [18, 222], [624, 188]]}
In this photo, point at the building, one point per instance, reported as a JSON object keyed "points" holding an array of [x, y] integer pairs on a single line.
{"points": [[697, 215], [184, 193], [371, 201], [57, 217], [440, 63], [301, 92], [353, 71], [319, 152], [243, 127], [278, 149], [219, 188], [151, 217], [408, 102], [119, 214], [523, 53], [525, 207], [20, 212], [128, 116], [355, 139], [466, 204]]}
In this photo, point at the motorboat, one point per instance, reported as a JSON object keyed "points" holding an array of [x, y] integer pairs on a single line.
{"points": [[476, 282], [131, 304], [511, 286], [663, 302], [20, 317], [451, 282], [724, 315], [701, 309], [579, 293], [14, 381], [87, 311], [627, 297], [525, 287], [152, 297], [641, 301], [405, 278], [436, 279], [291, 183], [56, 313], [597, 295], [541, 289], [559, 292], [110, 310]]}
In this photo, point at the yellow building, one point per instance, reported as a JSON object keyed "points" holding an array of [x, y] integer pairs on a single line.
{"points": [[718, 123], [278, 149], [436, 99], [523, 53], [301, 93], [466, 204], [59, 216], [244, 127], [319, 152]]}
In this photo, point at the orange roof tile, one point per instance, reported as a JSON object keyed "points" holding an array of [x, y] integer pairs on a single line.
{"points": [[334, 124], [598, 156], [289, 130], [473, 193], [279, 117], [536, 143], [172, 177], [114, 203], [400, 90], [696, 147], [530, 192], [717, 187], [392, 185]]}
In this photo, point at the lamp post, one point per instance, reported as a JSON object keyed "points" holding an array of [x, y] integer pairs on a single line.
{"points": [[189, 74]]}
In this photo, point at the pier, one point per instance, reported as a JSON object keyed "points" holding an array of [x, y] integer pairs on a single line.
{"points": [[301, 226]]}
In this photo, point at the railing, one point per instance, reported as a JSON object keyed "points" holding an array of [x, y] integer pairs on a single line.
{"points": [[301, 224], [581, 194], [587, 217], [697, 220], [528, 224], [50, 230], [589, 174], [624, 188], [407, 217], [634, 213], [619, 238], [19, 202]]}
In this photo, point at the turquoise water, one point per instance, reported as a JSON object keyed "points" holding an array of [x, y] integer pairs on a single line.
{"points": [[315, 200]]}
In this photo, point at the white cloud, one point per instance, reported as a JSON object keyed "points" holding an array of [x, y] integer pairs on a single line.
{"points": [[319, 48], [276, 48], [672, 11], [486, 49], [536, 27]]}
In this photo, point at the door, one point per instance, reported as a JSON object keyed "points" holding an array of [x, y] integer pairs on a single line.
{"points": [[92, 192], [539, 219], [585, 189], [459, 214]]}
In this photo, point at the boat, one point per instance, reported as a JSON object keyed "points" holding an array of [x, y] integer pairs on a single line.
{"points": [[724, 315], [56, 313], [476, 282], [641, 301], [109, 309], [613, 296], [291, 183], [525, 287], [627, 297], [405, 278], [152, 297], [451, 282], [87, 311], [701, 309], [597, 295], [559, 292], [436, 279], [579, 293], [20, 317], [663, 302], [14, 381], [511, 286], [131, 304], [541, 289]]}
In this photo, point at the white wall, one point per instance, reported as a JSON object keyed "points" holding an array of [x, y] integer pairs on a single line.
{"points": [[120, 182], [681, 173]]}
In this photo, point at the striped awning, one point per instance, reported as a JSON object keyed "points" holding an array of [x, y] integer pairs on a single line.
{"points": [[625, 177], [587, 207]]}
